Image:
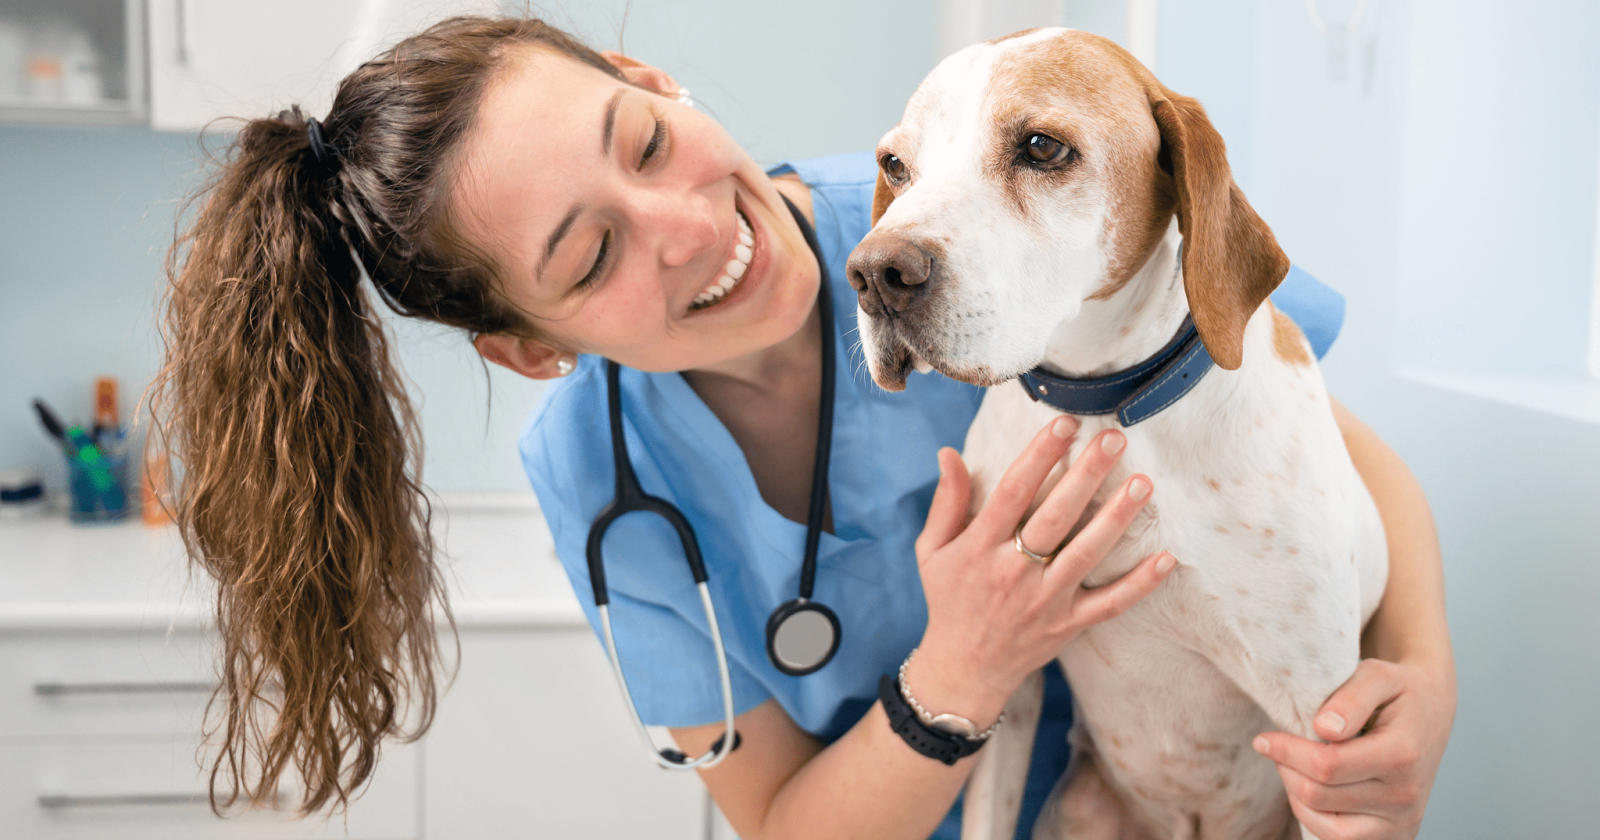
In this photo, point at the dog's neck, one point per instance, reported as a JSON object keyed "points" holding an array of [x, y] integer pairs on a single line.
{"points": [[1129, 326]]}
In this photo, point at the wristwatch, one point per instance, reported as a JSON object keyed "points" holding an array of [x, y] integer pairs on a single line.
{"points": [[945, 737]]}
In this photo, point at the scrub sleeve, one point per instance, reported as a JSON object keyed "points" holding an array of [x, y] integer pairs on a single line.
{"points": [[882, 475]]}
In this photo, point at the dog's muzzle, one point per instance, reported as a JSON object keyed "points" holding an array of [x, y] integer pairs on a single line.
{"points": [[890, 274]]}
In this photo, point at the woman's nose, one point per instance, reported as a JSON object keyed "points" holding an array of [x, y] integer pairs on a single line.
{"points": [[687, 222]]}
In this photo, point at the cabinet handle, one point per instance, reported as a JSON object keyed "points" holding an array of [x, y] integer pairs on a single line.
{"points": [[56, 689], [112, 800], [64, 800], [181, 19]]}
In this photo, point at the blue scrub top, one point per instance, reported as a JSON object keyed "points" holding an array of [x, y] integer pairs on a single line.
{"points": [[882, 473]]}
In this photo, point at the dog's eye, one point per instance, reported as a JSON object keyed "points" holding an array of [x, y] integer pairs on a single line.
{"points": [[894, 169], [1042, 148]]}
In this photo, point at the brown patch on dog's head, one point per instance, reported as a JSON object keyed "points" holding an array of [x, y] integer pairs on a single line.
{"points": [[1287, 339], [1081, 89], [882, 197], [1103, 99]]}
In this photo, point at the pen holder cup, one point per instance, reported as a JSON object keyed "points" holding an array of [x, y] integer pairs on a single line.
{"points": [[98, 488]]}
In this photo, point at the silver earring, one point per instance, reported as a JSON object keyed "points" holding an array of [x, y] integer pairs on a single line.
{"points": [[683, 97], [566, 365]]}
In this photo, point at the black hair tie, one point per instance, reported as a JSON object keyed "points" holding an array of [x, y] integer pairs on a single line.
{"points": [[327, 161]]}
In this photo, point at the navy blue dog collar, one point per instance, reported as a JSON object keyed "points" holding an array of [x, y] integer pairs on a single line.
{"points": [[1135, 394]]}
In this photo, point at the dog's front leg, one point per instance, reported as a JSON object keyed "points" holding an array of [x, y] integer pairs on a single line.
{"points": [[995, 788]]}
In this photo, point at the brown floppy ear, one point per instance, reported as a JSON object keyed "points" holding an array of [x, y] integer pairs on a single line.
{"points": [[882, 197], [1231, 261]]}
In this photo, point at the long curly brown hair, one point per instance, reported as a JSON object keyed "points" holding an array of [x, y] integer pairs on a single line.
{"points": [[297, 447]]}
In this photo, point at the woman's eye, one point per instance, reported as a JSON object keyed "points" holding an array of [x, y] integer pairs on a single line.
{"points": [[1042, 148], [894, 169], [657, 140], [599, 266]]}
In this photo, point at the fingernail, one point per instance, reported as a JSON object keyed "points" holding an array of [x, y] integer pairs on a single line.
{"points": [[1166, 563], [1111, 444], [1138, 489], [1063, 427], [1261, 744], [1331, 722]]}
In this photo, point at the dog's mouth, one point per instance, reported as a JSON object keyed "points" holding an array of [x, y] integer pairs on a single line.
{"points": [[897, 358]]}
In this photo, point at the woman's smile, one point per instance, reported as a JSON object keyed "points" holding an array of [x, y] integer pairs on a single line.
{"points": [[733, 272]]}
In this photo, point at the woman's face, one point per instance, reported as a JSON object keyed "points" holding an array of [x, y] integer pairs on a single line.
{"points": [[615, 213]]}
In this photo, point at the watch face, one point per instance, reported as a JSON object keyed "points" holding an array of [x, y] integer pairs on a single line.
{"points": [[955, 725]]}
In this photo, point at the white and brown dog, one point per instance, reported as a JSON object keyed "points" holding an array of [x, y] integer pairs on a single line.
{"points": [[1029, 212]]}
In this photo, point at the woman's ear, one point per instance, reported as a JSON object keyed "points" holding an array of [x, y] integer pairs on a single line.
{"points": [[528, 356], [642, 74]]}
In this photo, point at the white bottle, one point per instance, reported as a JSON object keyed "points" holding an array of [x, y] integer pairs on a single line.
{"points": [[80, 70], [13, 48]]}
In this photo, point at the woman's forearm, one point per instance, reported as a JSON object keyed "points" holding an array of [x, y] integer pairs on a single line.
{"points": [[868, 784], [1410, 624]]}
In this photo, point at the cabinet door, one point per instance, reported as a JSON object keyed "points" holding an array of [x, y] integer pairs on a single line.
{"points": [[532, 740], [223, 58]]}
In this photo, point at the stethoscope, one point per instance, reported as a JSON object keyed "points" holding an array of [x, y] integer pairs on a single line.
{"points": [[802, 634]]}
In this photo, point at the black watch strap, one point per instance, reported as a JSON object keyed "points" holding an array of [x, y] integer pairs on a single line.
{"points": [[947, 747]]}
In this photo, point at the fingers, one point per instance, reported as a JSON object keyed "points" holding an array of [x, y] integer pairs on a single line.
{"points": [[947, 516], [1113, 599], [1051, 523], [1329, 826], [1374, 684], [1017, 487], [1369, 797], [1090, 546], [1374, 756]]}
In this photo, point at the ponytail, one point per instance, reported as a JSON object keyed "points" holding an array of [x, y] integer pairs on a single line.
{"points": [[298, 494], [297, 450]]}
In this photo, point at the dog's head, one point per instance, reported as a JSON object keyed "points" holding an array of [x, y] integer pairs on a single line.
{"points": [[1031, 174]]}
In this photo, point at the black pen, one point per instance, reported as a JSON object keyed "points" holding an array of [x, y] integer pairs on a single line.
{"points": [[51, 423]]}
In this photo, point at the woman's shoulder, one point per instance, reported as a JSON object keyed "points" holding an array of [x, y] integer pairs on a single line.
{"points": [[848, 169], [558, 445]]}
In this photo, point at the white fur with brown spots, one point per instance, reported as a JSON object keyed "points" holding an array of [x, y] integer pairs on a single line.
{"points": [[983, 265]]}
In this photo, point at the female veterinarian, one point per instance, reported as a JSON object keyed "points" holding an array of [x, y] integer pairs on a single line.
{"points": [[566, 208]]}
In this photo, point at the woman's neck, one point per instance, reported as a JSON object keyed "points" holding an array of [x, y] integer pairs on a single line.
{"points": [[773, 372], [770, 401]]}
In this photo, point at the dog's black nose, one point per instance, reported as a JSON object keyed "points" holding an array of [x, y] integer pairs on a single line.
{"points": [[889, 272]]}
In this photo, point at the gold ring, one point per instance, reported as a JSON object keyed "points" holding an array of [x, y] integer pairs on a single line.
{"points": [[1041, 559]]}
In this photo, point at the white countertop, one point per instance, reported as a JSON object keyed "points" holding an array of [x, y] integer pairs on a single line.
{"points": [[496, 554]]}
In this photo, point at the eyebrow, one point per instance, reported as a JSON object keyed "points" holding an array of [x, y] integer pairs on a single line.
{"points": [[561, 230], [611, 120], [565, 224]]}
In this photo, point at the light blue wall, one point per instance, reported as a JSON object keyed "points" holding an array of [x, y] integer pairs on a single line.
{"points": [[88, 213]]}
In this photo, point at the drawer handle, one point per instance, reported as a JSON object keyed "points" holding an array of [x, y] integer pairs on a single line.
{"points": [[63, 800], [67, 800], [56, 689]]}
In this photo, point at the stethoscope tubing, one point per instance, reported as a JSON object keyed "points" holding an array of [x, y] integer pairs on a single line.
{"points": [[720, 749]]}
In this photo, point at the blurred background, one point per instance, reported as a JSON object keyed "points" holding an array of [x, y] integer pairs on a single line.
{"points": [[1436, 161]]}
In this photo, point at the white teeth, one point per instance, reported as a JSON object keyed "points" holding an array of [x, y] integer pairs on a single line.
{"points": [[920, 364], [734, 271]]}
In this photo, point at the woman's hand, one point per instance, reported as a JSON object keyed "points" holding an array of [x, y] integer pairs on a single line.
{"points": [[1368, 782], [995, 616]]}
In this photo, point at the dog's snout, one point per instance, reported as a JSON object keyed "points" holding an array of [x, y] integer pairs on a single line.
{"points": [[889, 272]]}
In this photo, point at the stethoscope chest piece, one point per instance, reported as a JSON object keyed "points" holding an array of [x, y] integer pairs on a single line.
{"points": [[802, 636]]}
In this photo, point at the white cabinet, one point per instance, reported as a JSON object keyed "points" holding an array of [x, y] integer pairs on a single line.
{"points": [[533, 741], [72, 61], [100, 740], [224, 58], [107, 660]]}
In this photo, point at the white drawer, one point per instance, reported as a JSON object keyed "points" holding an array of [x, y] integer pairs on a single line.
{"points": [[82, 683], [155, 790]]}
